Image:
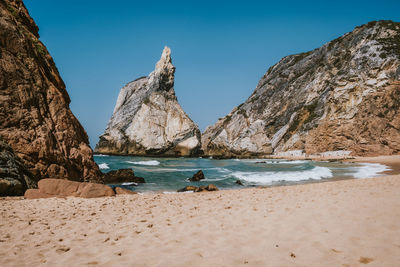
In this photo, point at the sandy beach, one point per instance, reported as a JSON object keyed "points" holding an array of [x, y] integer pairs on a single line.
{"points": [[341, 223]]}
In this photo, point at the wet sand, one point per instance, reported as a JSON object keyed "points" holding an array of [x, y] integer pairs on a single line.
{"points": [[341, 223]]}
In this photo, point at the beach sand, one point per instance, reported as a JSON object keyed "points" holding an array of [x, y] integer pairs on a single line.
{"points": [[342, 223]]}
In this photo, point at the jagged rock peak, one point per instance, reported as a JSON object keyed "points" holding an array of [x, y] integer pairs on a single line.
{"points": [[35, 118], [148, 119], [165, 62], [342, 97]]}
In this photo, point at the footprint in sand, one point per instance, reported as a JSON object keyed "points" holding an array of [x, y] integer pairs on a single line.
{"points": [[365, 260], [62, 250]]}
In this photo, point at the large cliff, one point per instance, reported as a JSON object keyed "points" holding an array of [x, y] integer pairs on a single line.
{"points": [[344, 96], [35, 119], [148, 119]]}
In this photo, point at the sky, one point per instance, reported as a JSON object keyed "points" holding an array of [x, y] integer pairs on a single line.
{"points": [[220, 48]]}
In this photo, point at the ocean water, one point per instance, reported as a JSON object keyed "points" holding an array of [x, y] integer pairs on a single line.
{"points": [[170, 174]]}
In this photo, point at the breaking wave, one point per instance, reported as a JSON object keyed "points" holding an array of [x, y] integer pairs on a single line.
{"points": [[368, 170], [103, 166], [316, 173], [147, 163]]}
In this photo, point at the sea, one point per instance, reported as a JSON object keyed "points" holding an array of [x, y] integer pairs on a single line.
{"points": [[167, 175]]}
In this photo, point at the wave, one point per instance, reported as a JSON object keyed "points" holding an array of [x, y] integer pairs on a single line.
{"points": [[103, 166], [316, 173], [147, 163], [222, 170], [368, 170], [100, 155], [269, 161], [130, 183]]}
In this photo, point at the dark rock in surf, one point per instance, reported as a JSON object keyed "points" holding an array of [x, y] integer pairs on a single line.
{"points": [[122, 176], [197, 176]]}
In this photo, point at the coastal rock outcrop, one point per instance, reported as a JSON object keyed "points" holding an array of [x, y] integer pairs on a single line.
{"points": [[148, 119], [35, 118], [341, 98], [14, 177]]}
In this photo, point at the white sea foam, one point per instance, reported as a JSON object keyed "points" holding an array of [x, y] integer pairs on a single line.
{"points": [[101, 155], [223, 170], [103, 166], [147, 163], [316, 173], [277, 161], [129, 183], [368, 170]]}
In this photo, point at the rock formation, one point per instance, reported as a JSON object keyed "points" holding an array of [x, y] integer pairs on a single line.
{"points": [[148, 119], [202, 188], [14, 177], [64, 188], [344, 96], [122, 176], [35, 119], [197, 176]]}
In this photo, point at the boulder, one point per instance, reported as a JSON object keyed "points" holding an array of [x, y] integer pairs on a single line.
{"points": [[187, 188], [211, 187], [122, 176], [238, 182], [66, 188], [123, 191], [91, 190], [201, 188], [197, 176]]}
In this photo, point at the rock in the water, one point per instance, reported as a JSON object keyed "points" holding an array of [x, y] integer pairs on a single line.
{"points": [[14, 177], [196, 189], [122, 176], [197, 176], [123, 191], [238, 182], [35, 118], [66, 188], [148, 119], [341, 98]]}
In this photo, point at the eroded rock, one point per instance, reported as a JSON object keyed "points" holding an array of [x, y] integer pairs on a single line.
{"points": [[342, 97], [197, 176], [66, 188], [35, 118], [202, 188], [122, 176], [148, 119], [123, 191]]}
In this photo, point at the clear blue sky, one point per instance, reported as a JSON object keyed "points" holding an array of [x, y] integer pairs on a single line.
{"points": [[220, 48]]}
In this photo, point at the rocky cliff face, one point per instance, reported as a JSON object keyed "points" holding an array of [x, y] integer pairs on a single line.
{"points": [[344, 96], [35, 119], [148, 119]]}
